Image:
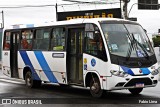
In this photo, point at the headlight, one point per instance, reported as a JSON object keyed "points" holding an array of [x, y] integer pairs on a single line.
{"points": [[119, 73], [124, 74], [155, 72], [114, 72]]}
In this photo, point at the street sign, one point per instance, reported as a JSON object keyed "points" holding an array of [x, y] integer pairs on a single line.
{"points": [[112, 13], [148, 4]]}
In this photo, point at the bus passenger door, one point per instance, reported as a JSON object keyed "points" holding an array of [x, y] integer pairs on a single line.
{"points": [[75, 56], [14, 54]]}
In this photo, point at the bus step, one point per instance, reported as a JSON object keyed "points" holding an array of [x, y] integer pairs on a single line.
{"points": [[77, 84]]}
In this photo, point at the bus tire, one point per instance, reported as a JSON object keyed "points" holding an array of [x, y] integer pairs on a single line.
{"points": [[95, 87], [30, 83], [135, 91]]}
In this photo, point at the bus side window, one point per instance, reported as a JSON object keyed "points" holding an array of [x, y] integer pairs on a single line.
{"points": [[26, 40], [58, 39], [41, 41], [6, 41], [94, 44]]}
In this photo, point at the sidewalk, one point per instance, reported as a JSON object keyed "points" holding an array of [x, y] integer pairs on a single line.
{"points": [[2, 76]]}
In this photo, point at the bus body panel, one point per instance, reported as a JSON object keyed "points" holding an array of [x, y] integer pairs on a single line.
{"points": [[6, 63], [91, 64], [46, 67], [21, 66], [96, 64]]}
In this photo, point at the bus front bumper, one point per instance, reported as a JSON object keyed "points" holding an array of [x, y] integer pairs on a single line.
{"points": [[114, 83]]}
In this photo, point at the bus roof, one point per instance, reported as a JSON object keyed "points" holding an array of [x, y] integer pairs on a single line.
{"points": [[70, 22]]}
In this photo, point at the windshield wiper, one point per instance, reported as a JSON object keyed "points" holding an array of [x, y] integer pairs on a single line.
{"points": [[144, 49], [134, 46]]}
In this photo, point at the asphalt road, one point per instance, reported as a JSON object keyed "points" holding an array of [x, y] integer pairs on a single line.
{"points": [[69, 96]]}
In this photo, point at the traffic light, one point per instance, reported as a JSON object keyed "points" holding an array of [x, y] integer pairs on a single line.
{"points": [[148, 4]]}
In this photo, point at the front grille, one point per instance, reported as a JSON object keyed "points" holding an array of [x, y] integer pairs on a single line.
{"points": [[132, 82]]}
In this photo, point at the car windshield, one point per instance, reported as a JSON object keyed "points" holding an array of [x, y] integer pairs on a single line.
{"points": [[127, 40]]}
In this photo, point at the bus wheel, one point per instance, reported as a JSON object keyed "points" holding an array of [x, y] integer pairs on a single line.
{"points": [[95, 88], [30, 82], [135, 91]]}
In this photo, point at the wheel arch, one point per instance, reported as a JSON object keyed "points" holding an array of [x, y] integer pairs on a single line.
{"points": [[25, 70], [88, 77]]}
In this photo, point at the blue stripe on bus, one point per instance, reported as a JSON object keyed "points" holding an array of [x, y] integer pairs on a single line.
{"points": [[128, 70], [28, 62], [145, 71], [43, 63]]}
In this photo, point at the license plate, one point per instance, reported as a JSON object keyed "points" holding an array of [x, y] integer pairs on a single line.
{"points": [[139, 84]]}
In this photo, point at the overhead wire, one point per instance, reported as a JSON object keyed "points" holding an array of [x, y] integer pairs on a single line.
{"points": [[27, 6], [73, 2]]}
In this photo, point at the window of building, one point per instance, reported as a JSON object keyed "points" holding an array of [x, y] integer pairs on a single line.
{"points": [[42, 39], [26, 40], [7, 41], [58, 39], [148, 4]]}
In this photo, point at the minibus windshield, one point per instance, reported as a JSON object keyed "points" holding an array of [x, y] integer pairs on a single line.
{"points": [[127, 40]]}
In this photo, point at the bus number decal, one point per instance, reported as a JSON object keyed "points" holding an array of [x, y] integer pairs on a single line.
{"points": [[6, 53], [85, 66]]}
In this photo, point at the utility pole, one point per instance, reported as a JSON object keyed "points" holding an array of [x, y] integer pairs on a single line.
{"points": [[125, 12], [56, 12], [121, 7], [2, 19]]}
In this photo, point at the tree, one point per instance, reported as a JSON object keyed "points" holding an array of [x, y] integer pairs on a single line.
{"points": [[156, 41]]}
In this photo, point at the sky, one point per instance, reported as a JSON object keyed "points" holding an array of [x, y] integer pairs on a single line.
{"points": [[149, 19]]}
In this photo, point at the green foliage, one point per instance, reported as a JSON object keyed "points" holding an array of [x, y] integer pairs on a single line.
{"points": [[156, 41]]}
